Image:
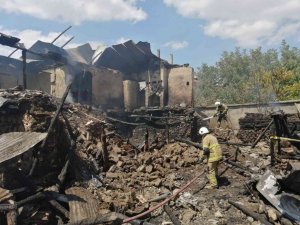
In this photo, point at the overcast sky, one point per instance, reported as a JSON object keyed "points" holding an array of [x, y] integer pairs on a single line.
{"points": [[195, 31]]}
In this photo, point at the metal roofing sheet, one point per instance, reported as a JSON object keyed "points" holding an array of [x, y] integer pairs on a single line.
{"points": [[2, 101], [16, 143], [82, 204]]}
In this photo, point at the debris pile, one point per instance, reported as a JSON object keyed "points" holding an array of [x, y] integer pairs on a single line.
{"points": [[252, 125], [77, 165]]}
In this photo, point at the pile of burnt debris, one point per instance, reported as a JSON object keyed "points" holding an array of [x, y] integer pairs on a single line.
{"points": [[65, 163]]}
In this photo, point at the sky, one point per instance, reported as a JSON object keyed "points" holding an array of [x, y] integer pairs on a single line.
{"points": [[194, 31]]}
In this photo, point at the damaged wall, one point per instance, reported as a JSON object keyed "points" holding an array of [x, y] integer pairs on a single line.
{"points": [[131, 94], [10, 72], [51, 81], [237, 111], [180, 86], [90, 84], [8, 81], [107, 88]]}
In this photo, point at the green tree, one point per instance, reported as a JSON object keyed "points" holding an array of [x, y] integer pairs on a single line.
{"points": [[244, 76]]}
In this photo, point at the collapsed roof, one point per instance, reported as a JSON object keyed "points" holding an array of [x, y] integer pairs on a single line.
{"points": [[135, 61], [10, 65], [129, 58], [83, 53]]}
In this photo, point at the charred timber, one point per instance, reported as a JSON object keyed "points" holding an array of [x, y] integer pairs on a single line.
{"points": [[62, 176], [104, 150], [248, 212], [233, 143], [59, 208], [197, 145], [262, 134], [52, 123], [124, 122], [68, 126], [7, 207], [240, 166], [171, 215], [157, 117], [99, 220]]}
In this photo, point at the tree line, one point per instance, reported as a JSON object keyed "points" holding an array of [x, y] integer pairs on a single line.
{"points": [[245, 76]]}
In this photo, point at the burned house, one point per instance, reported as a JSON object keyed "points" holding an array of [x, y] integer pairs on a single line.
{"points": [[64, 163], [148, 80], [135, 76]]}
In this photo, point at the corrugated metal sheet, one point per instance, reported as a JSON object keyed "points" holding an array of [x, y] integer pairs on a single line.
{"points": [[269, 187], [2, 101], [82, 204], [16, 143]]}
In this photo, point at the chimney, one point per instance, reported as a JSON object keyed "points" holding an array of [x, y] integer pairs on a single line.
{"points": [[171, 58], [158, 53]]}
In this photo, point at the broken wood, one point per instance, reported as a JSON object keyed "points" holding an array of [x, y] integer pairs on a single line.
{"points": [[12, 217], [59, 208], [110, 217], [237, 150], [240, 166], [31, 198], [262, 134], [157, 117], [171, 215], [272, 152], [62, 176], [68, 126], [248, 212], [167, 132], [161, 197], [5, 194], [104, 150], [52, 123], [146, 147], [41, 195], [19, 190], [233, 143], [197, 145], [134, 222], [124, 122], [7, 207]]}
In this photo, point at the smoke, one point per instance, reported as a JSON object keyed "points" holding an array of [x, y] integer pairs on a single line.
{"points": [[69, 79]]}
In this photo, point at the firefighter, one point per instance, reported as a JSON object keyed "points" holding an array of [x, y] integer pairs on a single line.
{"points": [[221, 113], [213, 153]]}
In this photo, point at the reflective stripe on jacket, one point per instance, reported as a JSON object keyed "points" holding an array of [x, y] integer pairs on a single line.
{"points": [[215, 152]]}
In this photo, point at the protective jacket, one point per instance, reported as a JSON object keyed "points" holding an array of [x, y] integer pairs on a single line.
{"points": [[222, 109], [211, 143]]}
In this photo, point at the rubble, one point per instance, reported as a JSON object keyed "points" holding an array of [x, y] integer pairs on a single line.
{"points": [[141, 168]]}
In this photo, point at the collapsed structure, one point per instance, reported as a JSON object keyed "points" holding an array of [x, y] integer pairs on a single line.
{"points": [[136, 76], [66, 160]]}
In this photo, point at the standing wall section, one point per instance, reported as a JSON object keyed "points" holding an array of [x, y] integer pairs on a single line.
{"points": [[131, 94], [180, 86], [107, 88]]}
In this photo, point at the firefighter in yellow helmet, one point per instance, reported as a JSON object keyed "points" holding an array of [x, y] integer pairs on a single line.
{"points": [[221, 112], [212, 150]]}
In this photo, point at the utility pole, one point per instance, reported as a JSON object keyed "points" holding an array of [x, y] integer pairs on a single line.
{"points": [[24, 68]]}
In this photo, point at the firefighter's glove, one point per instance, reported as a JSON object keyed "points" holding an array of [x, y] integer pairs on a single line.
{"points": [[205, 151]]}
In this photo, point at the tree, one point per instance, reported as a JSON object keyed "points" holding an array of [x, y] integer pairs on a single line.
{"points": [[243, 76]]}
